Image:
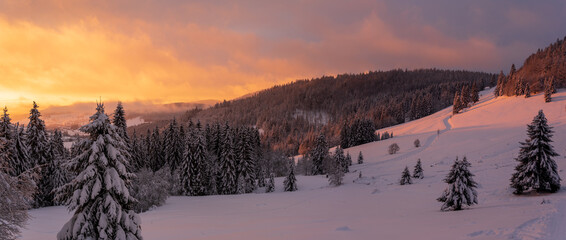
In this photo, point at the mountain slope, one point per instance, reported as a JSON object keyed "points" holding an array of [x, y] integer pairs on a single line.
{"points": [[376, 207]]}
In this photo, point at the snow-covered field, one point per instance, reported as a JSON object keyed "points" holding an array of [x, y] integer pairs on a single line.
{"points": [[377, 207]]}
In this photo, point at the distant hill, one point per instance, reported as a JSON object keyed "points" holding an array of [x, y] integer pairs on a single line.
{"points": [[290, 116]]}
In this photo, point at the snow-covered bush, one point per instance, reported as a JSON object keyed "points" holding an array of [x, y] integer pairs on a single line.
{"points": [[393, 148], [150, 189], [15, 198]]}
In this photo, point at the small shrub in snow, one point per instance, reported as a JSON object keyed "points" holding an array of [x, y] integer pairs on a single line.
{"points": [[418, 172], [417, 143], [393, 148], [461, 189], [406, 177], [150, 189]]}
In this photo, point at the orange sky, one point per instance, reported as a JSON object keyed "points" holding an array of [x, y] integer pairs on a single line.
{"points": [[60, 52]]}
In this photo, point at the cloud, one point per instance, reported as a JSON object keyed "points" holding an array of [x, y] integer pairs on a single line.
{"points": [[60, 51]]}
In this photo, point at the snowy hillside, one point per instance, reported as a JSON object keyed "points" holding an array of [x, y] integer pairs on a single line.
{"points": [[377, 207]]}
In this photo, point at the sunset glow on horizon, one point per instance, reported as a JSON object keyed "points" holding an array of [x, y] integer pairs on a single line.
{"points": [[62, 52]]}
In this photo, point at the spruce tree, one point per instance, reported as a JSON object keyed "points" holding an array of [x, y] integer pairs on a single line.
{"points": [[9, 150], [261, 179], [270, 184], [336, 171], [528, 91], [290, 183], [195, 172], [461, 189], [418, 172], [228, 176], [406, 177], [547, 93], [475, 93], [100, 194], [341, 159], [247, 161], [349, 159], [41, 155], [24, 161], [174, 146], [319, 155], [59, 176], [138, 153], [156, 151], [457, 104], [360, 158], [536, 170], [120, 122]]}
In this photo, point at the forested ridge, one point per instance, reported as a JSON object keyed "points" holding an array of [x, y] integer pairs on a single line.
{"points": [[292, 115]]}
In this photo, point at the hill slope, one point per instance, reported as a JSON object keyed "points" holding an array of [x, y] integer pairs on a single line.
{"points": [[377, 207]]}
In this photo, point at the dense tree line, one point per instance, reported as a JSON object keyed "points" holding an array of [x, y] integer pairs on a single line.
{"points": [[291, 116], [543, 71]]}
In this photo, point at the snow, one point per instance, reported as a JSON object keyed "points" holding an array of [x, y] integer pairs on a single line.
{"points": [[376, 206]]}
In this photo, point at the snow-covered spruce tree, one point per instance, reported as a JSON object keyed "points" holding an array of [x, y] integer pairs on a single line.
{"points": [[406, 177], [228, 178], [24, 161], [547, 93], [536, 170], [338, 161], [174, 146], [156, 151], [10, 153], [119, 121], [138, 154], [194, 169], [290, 183], [461, 189], [475, 93], [360, 158], [418, 172], [336, 170], [100, 194], [60, 175], [16, 194], [261, 179], [456, 107], [319, 155], [41, 156], [528, 91], [349, 159], [247, 161], [270, 187]]}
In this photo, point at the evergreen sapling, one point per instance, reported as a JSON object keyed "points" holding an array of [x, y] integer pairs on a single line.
{"points": [[461, 187], [406, 177]]}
